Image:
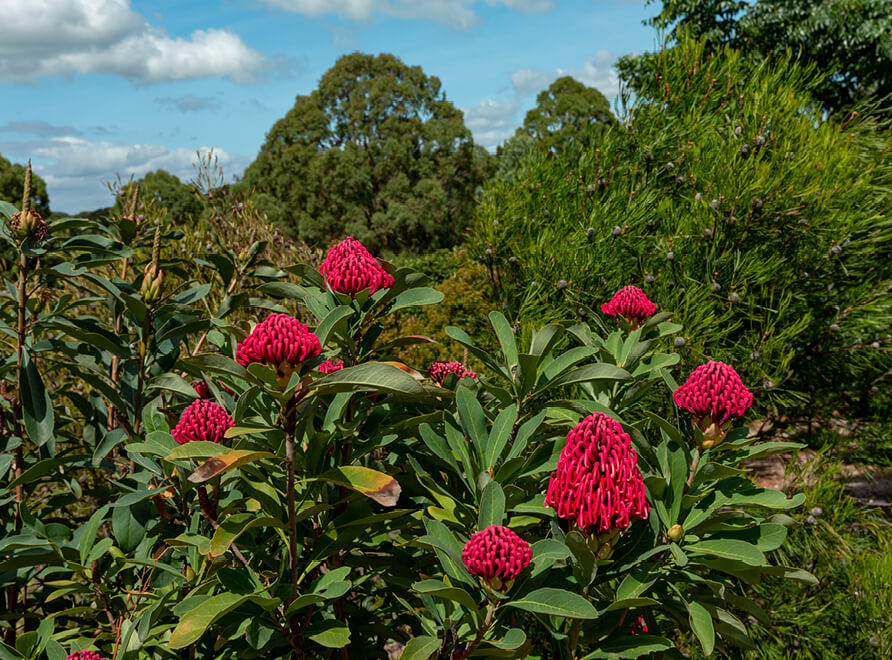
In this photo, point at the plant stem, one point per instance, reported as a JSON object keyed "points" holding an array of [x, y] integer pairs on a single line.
{"points": [[292, 514], [473, 644], [573, 638]]}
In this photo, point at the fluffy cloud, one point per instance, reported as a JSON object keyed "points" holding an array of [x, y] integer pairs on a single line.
{"points": [[67, 37], [458, 14], [76, 170], [492, 121], [597, 71], [191, 103]]}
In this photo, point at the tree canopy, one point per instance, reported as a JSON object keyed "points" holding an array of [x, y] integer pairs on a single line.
{"points": [[567, 115], [12, 186], [850, 41], [178, 198], [376, 152]]}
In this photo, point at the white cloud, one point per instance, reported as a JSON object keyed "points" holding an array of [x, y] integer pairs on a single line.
{"points": [[492, 121], [597, 71], [67, 37], [458, 14], [76, 170]]}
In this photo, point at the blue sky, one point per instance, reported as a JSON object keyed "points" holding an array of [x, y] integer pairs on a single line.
{"points": [[95, 88]]}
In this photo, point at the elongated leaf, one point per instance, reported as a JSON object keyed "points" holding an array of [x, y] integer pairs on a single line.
{"points": [[195, 622], [234, 526], [630, 646], [331, 320], [174, 383], [225, 462], [420, 648], [36, 405], [382, 488], [492, 506], [499, 435], [216, 363], [416, 297], [505, 335], [729, 549], [197, 449], [556, 602], [329, 633], [701, 624], [443, 590], [592, 372], [369, 377]]}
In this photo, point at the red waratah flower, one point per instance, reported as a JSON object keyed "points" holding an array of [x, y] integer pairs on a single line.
{"points": [[329, 367], [597, 483], [639, 626], [497, 555], [714, 395], [439, 370], [202, 420], [350, 268], [279, 340], [631, 303], [203, 391], [84, 655]]}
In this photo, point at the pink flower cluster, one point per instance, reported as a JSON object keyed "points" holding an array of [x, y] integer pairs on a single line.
{"points": [[202, 420], [631, 303], [279, 338], [439, 370], [329, 367], [496, 552], [84, 655], [350, 268], [597, 483], [714, 391], [204, 392]]}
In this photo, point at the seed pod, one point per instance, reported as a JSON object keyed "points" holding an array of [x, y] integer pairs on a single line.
{"points": [[617, 230], [679, 342], [562, 284], [589, 232], [716, 287], [680, 179], [714, 204], [733, 297], [817, 511], [759, 140]]}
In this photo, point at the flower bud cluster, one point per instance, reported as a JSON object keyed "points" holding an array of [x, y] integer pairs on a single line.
{"points": [[279, 338], [329, 367], [714, 395], [631, 303], [439, 370], [496, 552], [204, 421], [597, 483], [84, 655], [350, 268]]}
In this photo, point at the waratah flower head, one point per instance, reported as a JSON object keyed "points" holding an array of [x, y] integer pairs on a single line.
{"points": [[350, 268], [278, 339], [496, 552], [202, 420], [631, 303], [204, 392], [597, 483], [439, 370], [329, 366], [714, 395], [84, 655]]}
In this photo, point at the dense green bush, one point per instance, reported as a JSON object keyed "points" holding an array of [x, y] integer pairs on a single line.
{"points": [[288, 508], [729, 199]]}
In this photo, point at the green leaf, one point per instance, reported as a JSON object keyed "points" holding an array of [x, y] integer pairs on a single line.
{"points": [[420, 648], [234, 526], [217, 363], [505, 335], [329, 633], [173, 383], [225, 462], [592, 372], [443, 590], [41, 468], [492, 506], [499, 436], [196, 621], [416, 297], [127, 530], [368, 377], [513, 639], [111, 439], [331, 320], [36, 405], [729, 549], [88, 535], [197, 449], [630, 646], [557, 602], [470, 412], [701, 624]]}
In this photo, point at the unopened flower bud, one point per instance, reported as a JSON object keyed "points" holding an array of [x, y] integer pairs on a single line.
{"points": [[562, 284], [738, 130], [512, 260], [744, 149], [834, 327], [733, 297], [589, 232], [716, 287], [670, 165], [698, 197], [757, 204], [714, 204], [707, 232], [676, 533], [487, 252], [759, 140], [649, 279], [617, 230], [679, 342], [670, 255], [817, 511]]}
